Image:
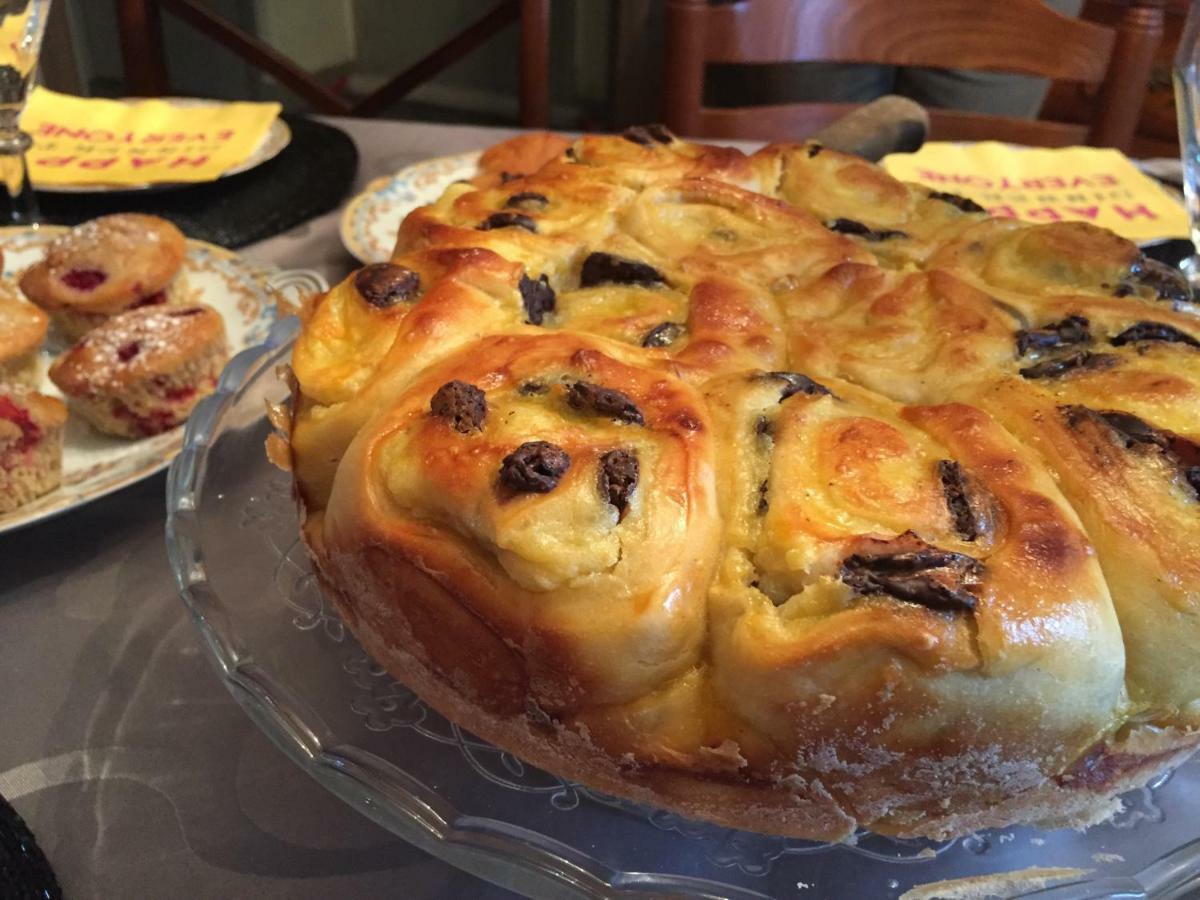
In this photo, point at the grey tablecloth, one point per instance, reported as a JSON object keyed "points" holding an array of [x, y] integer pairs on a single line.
{"points": [[133, 766]]}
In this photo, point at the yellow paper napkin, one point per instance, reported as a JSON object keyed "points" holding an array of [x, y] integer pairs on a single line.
{"points": [[79, 140], [1089, 184]]}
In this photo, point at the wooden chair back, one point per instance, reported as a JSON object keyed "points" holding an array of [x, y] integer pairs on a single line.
{"points": [[1016, 36], [140, 23]]}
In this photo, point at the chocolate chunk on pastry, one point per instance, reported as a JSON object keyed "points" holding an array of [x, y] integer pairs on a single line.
{"points": [[1153, 331], [663, 334], [534, 468], [462, 406], [528, 199], [858, 229], [1070, 332], [604, 268], [386, 284], [538, 298], [603, 401], [618, 477], [915, 572], [508, 220], [959, 202], [967, 507]]}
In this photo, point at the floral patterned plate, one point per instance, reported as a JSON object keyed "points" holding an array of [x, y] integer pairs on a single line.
{"points": [[370, 220], [95, 464]]}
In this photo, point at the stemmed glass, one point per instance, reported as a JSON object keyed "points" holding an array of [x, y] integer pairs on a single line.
{"points": [[22, 24], [1187, 108]]}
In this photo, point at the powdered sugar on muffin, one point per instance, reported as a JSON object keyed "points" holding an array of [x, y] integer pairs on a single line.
{"points": [[104, 267], [142, 372]]}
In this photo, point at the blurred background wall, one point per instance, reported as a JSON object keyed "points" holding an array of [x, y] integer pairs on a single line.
{"points": [[358, 44], [605, 58]]}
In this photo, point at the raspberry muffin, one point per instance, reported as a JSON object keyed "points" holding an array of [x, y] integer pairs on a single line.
{"points": [[31, 439], [22, 329], [104, 267], [142, 372]]}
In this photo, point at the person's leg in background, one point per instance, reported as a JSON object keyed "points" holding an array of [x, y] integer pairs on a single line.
{"points": [[795, 82], [997, 94], [743, 85]]}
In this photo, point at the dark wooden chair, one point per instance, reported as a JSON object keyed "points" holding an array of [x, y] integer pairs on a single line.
{"points": [[1017, 36], [140, 23]]}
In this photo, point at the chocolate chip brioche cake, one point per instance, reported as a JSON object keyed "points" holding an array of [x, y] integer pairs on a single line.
{"points": [[768, 489]]}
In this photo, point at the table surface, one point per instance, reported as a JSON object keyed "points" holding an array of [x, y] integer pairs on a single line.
{"points": [[134, 767]]}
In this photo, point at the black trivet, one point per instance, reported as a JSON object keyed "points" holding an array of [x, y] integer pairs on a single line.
{"points": [[311, 176], [25, 873], [1172, 251]]}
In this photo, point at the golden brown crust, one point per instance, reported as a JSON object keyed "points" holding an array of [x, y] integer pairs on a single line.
{"points": [[22, 327], [910, 335], [899, 223], [636, 163], [1036, 262], [1139, 506], [584, 580], [521, 155], [768, 489], [702, 226], [793, 806], [462, 294], [866, 691]]}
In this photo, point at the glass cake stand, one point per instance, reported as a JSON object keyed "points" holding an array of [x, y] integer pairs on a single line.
{"points": [[286, 657]]}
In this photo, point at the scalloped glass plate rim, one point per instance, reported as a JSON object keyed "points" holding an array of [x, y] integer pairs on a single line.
{"points": [[511, 856]]}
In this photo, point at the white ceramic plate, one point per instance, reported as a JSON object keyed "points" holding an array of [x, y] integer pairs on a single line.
{"points": [[95, 464], [370, 220], [277, 137]]}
